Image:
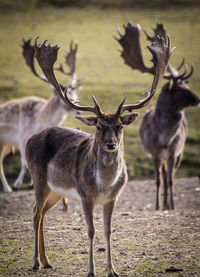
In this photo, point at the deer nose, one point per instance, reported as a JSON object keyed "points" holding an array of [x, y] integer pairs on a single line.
{"points": [[110, 145], [78, 112]]}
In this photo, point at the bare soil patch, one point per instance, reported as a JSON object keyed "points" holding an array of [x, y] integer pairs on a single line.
{"points": [[145, 242]]}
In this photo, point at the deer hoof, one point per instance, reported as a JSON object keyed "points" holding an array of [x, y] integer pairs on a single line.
{"points": [[113, 275], [36, 267], [91, 275], [48, 266]]}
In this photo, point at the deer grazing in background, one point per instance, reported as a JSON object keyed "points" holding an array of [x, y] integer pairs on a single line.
{"points": [[164, 127], [65, 162], [23, 117]]}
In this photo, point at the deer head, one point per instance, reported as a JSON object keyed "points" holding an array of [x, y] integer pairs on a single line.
{"points": [[177, 89]]}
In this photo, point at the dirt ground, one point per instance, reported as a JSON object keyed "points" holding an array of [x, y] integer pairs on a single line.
{"points": [[144, 242]]}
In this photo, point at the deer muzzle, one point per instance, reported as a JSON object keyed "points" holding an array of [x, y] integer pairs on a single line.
{"points": [[110, 145]]}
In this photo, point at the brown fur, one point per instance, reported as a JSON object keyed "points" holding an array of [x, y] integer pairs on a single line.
{"points": [[91, 167], [20, 119], [60, 159], [163, 133]]}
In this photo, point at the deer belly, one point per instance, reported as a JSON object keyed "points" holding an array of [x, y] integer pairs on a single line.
{"points": [[164, 154], [70, 193], [8, 136]]}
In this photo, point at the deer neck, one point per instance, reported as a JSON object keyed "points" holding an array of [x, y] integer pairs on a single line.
{"points": [[108, 165], [168, 120], [166, 109], [53, 114]]}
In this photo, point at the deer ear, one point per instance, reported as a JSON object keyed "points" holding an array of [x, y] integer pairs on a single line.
{"points": [[129, 118], [171, 83], [89, 120]]}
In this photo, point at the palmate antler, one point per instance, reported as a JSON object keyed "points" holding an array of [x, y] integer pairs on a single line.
{"points": [[28, 52], [46, 57], [132, 56], [173, 72], [70, 60]]}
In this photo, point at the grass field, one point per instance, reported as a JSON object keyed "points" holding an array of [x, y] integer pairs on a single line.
{"points": [[100, 66]]}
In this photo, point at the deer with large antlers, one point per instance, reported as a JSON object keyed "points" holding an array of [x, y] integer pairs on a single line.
{"points": [[163, 129], [65, 162], [23, 117]]}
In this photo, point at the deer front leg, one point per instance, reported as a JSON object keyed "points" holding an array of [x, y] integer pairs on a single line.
{"points": [[171, 171], [88, 211], [107, 217], [165, 182], [20, 178], [157, 165], [3, 152]]}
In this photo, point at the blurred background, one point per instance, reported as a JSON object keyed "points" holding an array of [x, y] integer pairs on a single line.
{"points": [[102, 71]]}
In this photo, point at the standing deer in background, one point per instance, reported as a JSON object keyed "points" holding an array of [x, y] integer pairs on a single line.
{"points": [[23, 117], [65, 162], [164, 127]]}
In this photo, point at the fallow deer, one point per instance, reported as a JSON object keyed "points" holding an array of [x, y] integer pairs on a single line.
{"points": [[163, 129], [66, 162], [23, 117]]}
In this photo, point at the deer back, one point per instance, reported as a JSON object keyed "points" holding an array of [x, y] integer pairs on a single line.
{"points": [[17, 116]]}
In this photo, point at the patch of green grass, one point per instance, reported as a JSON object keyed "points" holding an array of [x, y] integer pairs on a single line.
{"points": [[100, 66]]}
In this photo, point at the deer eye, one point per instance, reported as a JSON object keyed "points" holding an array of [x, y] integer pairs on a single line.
{"points": [[119, 127]]}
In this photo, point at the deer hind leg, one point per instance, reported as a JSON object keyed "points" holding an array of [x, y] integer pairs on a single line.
{"points": [[4, 150], [65, 204], [107, 216], [41, 198], [158, 167], [88, 211], [53, 198]]}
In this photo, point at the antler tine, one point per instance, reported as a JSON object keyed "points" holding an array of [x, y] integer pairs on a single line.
{"points": [[174, 74], [61, 69], [97, 107], [161, 54], [180, 76], [119, 110], [173, 71], [181, 64], [28, 54], [189, 75], [46, 57], [71, 58], [158, 31]]}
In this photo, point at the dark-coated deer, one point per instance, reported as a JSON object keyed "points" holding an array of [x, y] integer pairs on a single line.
{"points": [[23, 117], [65, 162], [164, 128]]}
